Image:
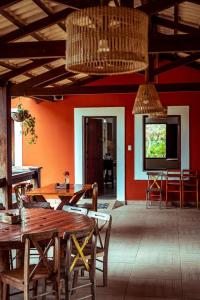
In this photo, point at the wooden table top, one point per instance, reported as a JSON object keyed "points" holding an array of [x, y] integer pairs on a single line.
{"points": [[52, 190], [40, 219]]}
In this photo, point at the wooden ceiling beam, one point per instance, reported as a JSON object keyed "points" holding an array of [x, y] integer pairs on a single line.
{"points": [[10, 17], [127, 3], [39, 99], [6, 3], [45, 78], [174, 43], [194, 1], [69, 3], [19, 24], [56, 49], [150, 8], [48, 11], [172, 57], [177, 63], [18, 71], [155, 6], [74, 4], [33, 50], [176, 17], [56, 79], [7, 65], [107, 89], [35, 26], [171, 24], [194, 65], [86, 80]]}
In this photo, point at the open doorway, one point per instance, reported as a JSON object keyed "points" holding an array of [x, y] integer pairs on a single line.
{"points": [[100, 153], [119, 113]]}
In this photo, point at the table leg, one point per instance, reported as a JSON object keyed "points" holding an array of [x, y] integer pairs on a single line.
{"points": [[19, 258], [4, 265], [38, 198]]}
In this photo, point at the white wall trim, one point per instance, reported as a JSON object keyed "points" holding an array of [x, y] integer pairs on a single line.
{"points": [[183, 111], [119, 113], [18, 141]]}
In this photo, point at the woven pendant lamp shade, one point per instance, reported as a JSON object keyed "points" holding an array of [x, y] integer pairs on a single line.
{"points": [[159, 115], [147, 100], [107, 40]]}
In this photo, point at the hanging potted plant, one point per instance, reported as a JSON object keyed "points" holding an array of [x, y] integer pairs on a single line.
{"points": [[28, 122]]}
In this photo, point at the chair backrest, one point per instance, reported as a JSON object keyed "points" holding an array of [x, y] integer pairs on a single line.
{"points": [[173, 175], [21, 189], [76, 243], [155, 180], [25, 200], [94, 196], [92, 193], [104, 222], [20, 192], [41, 241], [187, 172], [190, 175], [75, 209], [74, 200]]}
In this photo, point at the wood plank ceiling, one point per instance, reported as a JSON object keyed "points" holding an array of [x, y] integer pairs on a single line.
{"points": [[32, 45]]}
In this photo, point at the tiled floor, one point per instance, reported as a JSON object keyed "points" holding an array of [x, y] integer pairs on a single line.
{"points": [[154, 254]]}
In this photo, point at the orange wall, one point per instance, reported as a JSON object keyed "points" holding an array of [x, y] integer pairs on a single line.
{"points": [[54, 150]]}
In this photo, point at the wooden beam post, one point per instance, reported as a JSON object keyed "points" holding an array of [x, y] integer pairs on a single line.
{"points": [[5, 145], [150, 75], [101, 89]]}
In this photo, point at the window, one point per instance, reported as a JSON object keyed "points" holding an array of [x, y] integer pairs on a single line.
{"points": [[155, 141], [161, 143], [184, 128]]}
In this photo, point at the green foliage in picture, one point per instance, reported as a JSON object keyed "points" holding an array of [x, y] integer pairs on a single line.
{"points": [[155, 141]]}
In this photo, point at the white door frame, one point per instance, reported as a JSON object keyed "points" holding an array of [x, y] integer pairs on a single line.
{"points": [[119, 113], [18, 141]]}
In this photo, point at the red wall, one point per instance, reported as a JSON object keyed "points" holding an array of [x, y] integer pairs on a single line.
{"points": [[54, 150]]}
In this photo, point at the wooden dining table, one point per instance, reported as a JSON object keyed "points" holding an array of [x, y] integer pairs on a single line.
{"points": [[36, 220], [60, 191]]}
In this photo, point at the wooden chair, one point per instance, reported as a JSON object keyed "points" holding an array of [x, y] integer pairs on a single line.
{"points": [[21, 278], [72, 201], [190, 184], [94, 198], [20, 190], [154, 189], [104, 222], [25, 200], [76, 261], [174, 185]]}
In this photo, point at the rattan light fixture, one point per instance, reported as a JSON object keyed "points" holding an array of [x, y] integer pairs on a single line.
{"points": [[147, 100], [159, 115], [107, 40]]}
